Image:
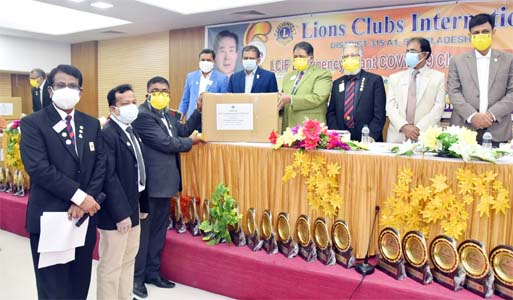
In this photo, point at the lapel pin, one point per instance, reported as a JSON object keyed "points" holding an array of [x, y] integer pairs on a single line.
{"points": [[81, 127], [293, 77], [80, 131], [140, 141], [80, 135], [341, 87], [128, 144], [64, 134], [68, 142], [361, 85], [495, 59], [258, 76], [91, 146]]}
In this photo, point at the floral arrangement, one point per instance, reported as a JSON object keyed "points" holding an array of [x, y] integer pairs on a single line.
{"points": [[13, 156], [453, 141], [416, 208], [223, 213], [322, 183], [309, 136], [184, 205]]}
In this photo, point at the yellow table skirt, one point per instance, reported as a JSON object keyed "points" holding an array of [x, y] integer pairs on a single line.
{"points": [[253, 172]]}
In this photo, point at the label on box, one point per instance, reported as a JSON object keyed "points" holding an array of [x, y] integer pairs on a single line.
{"points": [[6, 109], [234, 116]]}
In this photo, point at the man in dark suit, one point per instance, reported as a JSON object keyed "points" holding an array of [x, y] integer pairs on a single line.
{"points": [[40, 95], [125, 181], [62, 151], [164, 137], [357, 98], [252, 79]]}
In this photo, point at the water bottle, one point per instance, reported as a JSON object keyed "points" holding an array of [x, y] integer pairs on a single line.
{"points": [[487, 140], [365, 134]]}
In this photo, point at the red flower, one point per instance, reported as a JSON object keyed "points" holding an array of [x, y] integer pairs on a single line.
{"points": [[312, 129], [273, 136], [311, 142]]}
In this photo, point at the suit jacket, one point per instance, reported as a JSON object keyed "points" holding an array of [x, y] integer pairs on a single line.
{"points": [[36, 100], [463, 86], [161, 151], [121, 182], [263, 82], [191, 90], [369, 106], [311, 97], [55, 169], [429, 106]]}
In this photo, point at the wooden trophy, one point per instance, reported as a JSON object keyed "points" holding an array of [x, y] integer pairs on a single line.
{"points": [[325, 252], [268, 236], [237, 234], [176, 215], [391, 259], [474, 260], [286, 244], [2, 180], [8, 181], [416, 256], [342, 244], [193, 224], [501, 261], [447, 269], [307, 249], [253, 238], [205, 215]]}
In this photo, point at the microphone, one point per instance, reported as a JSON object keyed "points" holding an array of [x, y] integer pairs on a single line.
{"points": [[99, 199], [365, 268]]}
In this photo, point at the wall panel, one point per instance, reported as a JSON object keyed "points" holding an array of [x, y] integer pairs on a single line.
{"points": [[85, 57]]}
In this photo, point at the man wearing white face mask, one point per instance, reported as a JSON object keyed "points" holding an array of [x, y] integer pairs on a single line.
{"points": [[62, 151], [125, 180], [416, 96], [252, 79], [206, 79]]}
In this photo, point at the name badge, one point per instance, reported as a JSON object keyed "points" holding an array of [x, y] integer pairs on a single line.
{"points": [[91, 146], [59, 126], [293, 78], [209, 82], [341, 87]]}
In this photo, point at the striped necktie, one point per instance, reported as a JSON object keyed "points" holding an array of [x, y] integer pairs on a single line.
{"points": [[69, 129], [349, 103]]}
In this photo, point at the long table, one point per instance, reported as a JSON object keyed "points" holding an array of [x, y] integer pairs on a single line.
{"points": [[254, 172]]}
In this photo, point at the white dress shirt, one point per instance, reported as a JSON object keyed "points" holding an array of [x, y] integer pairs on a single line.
{"points": [[483, 73], [249, 80], [41, 86], [204, 82]]}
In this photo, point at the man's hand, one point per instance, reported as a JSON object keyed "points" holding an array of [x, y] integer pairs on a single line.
{"points": [[199, 103], [143, 216], [75, 212], [124, 226], [283, 100], [411, 132], [90, 205], [482, 120], [371, 139], [196, 138]]}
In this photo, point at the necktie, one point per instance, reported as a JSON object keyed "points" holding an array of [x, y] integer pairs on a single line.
{"points": [[412, 98], [296, 83], [69, 129], [138, 155], [349, 103]]}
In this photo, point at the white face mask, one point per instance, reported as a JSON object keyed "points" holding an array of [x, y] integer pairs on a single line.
{"points": [[128, 113], [206, 66], [249, 64], [65, 98]]}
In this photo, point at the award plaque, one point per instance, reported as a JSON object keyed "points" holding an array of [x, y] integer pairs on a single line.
{"points": [[474, 260], [269, 238], [342, 244], [193, 224], [253, 238], [391, 259], [286, 244], [176, 215], [307, 249], [447, 270], [416, 256], [205, 215], [237, 234], [325, 252], [501, 260]]}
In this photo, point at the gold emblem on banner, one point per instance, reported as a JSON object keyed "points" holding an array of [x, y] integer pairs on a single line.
{"points": [[325, 252], [193, 224], [253, 238], [474, 260], [391, 254], [501, 260], [269, 238], [447, 268], [307, 249], [286, 244], [342, 244], [416, 256]]}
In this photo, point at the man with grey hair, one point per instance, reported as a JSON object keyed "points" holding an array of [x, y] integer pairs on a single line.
{"points": [[40, 95], [357, 98]]}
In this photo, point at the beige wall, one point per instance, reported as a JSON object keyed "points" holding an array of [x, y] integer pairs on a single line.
{"points": [[5, 85], [131, 60]]}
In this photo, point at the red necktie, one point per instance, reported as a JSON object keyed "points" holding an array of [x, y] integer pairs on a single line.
{"points": [[349, 104], [69, 129]]}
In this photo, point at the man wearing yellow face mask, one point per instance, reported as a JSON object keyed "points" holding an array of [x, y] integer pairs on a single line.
{"points": [[480, 84], [163, 138], [357, 98], [40, 95], [305, 89]]}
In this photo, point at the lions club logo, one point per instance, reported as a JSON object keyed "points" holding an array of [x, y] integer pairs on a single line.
{"points": [[284, 33]]}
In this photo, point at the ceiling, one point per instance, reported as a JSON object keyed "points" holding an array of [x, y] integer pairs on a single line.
{"points": [[147, 19]]}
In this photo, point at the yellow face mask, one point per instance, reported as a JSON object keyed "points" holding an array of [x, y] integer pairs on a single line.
{"points": [[34, 83], [481, 41], [351, 64], [300, 63], [159, 100]]}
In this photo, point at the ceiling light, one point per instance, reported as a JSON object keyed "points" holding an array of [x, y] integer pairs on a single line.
{"points": [[77, 1], [199, 6], [57, 20], [102, 5]]}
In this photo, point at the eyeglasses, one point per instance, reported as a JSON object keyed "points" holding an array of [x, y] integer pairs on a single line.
{"points": [[413, 51], [350, 55], [160, 93], [61, 85]]}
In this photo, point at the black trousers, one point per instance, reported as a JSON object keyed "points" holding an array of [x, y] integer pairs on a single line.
{"points": [[153, 237], [65, 281]]}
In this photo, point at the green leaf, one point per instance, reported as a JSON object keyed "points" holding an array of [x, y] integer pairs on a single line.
{"points": [[212, 242], [206, 238]]}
